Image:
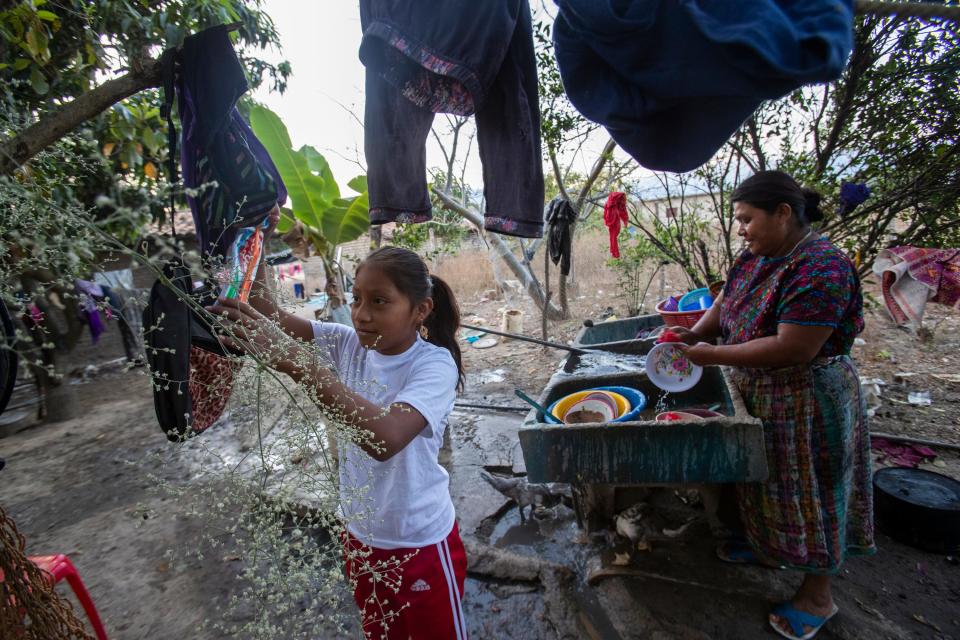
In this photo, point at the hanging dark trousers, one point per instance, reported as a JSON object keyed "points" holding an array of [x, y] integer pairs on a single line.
{"points": [[458, 57]]}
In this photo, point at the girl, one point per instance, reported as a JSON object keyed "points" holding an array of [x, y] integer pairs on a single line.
{"points": [[394, 375]]}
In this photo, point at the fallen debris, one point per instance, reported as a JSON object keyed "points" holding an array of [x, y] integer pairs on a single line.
{"points": [[919, 618], [902, 454], [557, 581], [872, 390], [929, 443]]}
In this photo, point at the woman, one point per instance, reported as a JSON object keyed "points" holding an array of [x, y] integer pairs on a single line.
{"points": [[787, 319]]}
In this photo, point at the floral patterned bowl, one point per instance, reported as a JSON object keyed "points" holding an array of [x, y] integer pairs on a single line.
{"points": [[669, 368]]}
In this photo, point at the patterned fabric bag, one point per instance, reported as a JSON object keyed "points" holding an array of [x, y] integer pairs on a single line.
{"points": [[192, 375]]}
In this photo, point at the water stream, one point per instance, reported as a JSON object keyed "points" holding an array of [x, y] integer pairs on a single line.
{"points": [[661, 405]]}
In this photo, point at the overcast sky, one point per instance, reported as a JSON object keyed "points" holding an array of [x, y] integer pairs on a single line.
{"points": [[320, 39]]}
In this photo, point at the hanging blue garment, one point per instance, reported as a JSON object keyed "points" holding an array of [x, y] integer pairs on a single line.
{"points": [[673, 80]]}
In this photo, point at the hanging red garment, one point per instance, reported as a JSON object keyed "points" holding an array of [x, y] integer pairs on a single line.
{"points": [[615, 214]]}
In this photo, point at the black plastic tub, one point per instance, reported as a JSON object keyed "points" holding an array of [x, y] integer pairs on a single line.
{"points": [[918, 508]]}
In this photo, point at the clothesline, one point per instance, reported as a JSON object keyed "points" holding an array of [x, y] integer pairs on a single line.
{"points": [[909, 9]]}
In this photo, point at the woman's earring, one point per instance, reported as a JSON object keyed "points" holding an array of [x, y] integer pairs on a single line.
{"points": [[424, 332]]}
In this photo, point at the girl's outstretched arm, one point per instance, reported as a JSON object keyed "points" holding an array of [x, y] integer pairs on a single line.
{"points": [[392, 428], [263, 298]]}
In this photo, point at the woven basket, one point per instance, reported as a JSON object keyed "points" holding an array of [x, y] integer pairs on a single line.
{"points": [[680, 318]]}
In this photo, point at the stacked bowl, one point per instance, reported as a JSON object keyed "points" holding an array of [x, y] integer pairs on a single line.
{"points": [[600, 404]]}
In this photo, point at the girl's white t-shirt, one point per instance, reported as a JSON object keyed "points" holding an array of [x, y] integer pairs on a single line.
{"points": [[405, 501]]}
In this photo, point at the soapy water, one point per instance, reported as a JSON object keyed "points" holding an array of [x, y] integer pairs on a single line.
{"points": [[605, 362]]}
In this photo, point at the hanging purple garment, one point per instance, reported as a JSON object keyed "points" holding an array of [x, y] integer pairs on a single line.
{"points": [[93, 319], [92, 289], [235, 179], [90, 292]]}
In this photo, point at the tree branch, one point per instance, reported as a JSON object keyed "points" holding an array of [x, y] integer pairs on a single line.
{"points": [[594, 174], [556, 172], [53, 126], [861, 60], [533, 288], [755, 143]]}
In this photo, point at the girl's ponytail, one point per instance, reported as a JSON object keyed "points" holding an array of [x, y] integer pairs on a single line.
{"points": [[443, 322]]}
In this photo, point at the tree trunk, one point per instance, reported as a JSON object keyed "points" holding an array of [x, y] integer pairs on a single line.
{"points": [[56, 399], [376, 236], [530, 284], [578, 205], [60, 400], [546, 296]]}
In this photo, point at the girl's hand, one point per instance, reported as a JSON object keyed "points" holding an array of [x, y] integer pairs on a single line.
{"points": [[273, 218], [686, 335], [244, 328], [702, 353]]}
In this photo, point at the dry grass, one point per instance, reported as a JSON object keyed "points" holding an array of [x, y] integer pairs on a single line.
{"points": [[470, 273]]}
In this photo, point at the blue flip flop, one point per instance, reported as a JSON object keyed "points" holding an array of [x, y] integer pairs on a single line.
{"points": [[737, 552], [798, 620]]}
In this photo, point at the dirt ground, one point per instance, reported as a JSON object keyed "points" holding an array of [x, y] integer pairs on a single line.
{"points": [[85, 487]]}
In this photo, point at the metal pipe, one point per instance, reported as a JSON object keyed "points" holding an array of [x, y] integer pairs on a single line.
{"points": [[493, 407], [517, 336]]}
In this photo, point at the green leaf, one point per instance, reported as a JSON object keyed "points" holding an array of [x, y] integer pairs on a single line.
{"points": [[38, 82], [36, 42], [346, 220], [318, 164], [231, 12], [123, 111], [129, 156], [149, 137], [20, 64], [329, 220], [304, 188], [16, 24], [286, 221], [358, 184], [48, 16]]}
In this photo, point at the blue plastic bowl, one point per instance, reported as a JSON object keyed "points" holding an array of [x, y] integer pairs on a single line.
{"points": [[637, 400], [696, 300]]}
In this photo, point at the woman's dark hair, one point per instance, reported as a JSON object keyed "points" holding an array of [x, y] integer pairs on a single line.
{"points": [[769, 189], [409, 273]]}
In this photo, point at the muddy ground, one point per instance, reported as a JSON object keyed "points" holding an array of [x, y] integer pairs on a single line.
{"points": [[85, 487]]}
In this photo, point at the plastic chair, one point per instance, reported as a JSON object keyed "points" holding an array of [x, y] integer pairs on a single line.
{"points": [[60, 567]]}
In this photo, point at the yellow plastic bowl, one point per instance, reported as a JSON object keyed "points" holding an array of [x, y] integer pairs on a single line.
{"points": [[560, 409]]}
